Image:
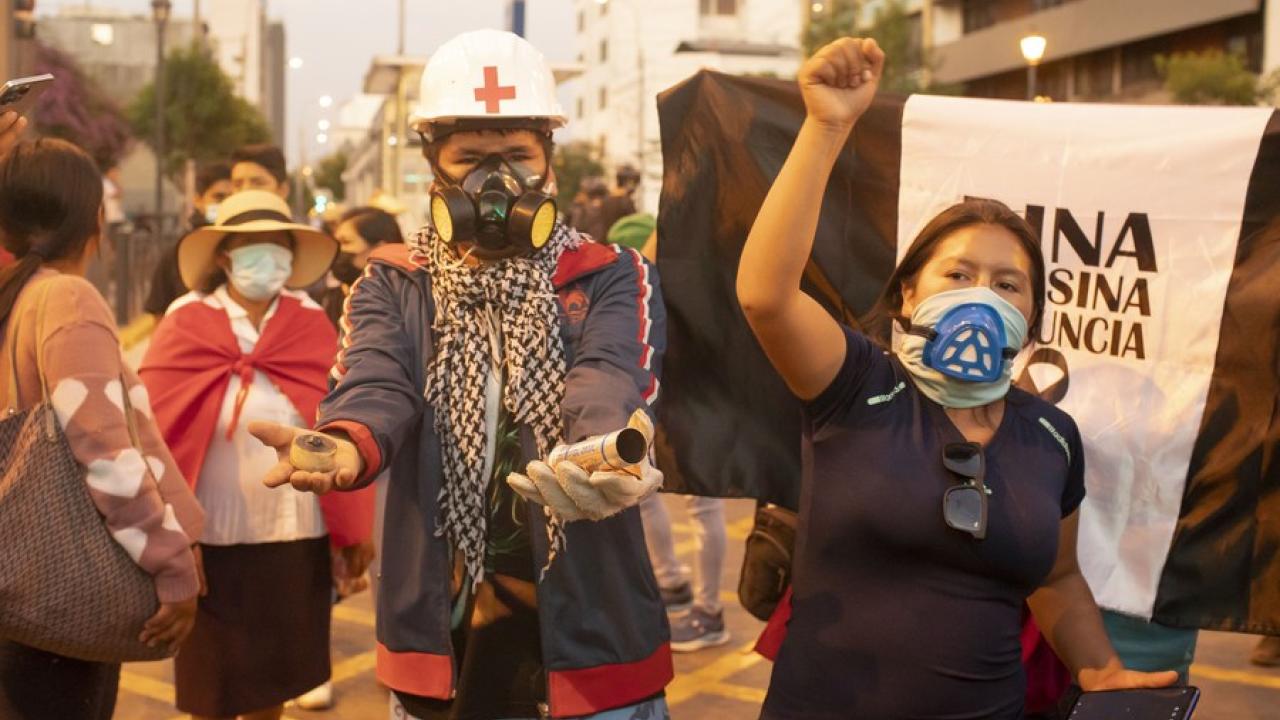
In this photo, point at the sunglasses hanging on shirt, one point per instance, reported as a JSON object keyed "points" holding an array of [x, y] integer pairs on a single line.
{"points": [[964, 507]]}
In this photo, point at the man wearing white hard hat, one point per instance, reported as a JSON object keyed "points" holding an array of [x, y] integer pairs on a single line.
{"points": [[514, 583], [247, 343]]}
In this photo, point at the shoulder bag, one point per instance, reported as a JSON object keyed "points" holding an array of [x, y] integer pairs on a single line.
{"points": [[66, 586]]}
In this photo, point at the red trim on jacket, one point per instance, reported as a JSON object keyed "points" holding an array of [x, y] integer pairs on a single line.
{"points": [[394, 254], [584, 260], [644, 295], [592, 690], [370, 453], [421, 674]]}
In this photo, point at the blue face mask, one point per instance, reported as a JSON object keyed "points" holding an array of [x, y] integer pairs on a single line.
{"points": [[258, 272], [961, 346]]}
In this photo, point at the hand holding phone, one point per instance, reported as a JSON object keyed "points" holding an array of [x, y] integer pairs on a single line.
{"points": [[17, 97], [11, 127], [19, 94], [1171, 703]]}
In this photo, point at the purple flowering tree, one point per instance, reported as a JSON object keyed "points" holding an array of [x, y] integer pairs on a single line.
{"points": [[73, 109]]}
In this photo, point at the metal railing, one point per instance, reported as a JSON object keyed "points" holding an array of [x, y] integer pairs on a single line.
{"points": [[126, 264]]}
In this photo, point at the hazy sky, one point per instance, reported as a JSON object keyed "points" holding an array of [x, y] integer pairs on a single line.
{"points": [[338, 38]]}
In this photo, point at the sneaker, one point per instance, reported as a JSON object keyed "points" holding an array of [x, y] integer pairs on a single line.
{"points": [[1267, 653], [697, 630], [678, 598], [319, 698]]}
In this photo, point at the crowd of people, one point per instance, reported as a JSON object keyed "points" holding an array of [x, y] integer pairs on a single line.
{"points": [[315, 401]]}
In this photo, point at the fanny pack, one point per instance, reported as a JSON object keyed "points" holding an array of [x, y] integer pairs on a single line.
{"points": [[766, 562]]}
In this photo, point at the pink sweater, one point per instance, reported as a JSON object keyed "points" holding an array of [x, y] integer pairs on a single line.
{"points": [[140, 492]]}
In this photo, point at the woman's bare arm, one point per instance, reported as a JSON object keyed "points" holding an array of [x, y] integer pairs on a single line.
{"points": [[804, 343]]}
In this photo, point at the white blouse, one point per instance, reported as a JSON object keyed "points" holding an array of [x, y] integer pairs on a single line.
{"points": [[238, 508]]}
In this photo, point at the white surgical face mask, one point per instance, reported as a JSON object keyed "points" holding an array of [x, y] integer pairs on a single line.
{"points": [[211, 213], [259, 271], [945, 390]]}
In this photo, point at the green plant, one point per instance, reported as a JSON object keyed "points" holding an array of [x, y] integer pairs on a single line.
{"points": [[836, 19], [204, 118], [329, 175], [573, 162], [1209, 78]]}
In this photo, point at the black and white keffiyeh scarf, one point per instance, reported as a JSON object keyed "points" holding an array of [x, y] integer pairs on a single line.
{"points": [[518, 292]]}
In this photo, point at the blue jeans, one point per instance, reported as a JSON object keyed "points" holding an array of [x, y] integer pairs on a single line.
{"points": [[1150, 647], [655, 709]]}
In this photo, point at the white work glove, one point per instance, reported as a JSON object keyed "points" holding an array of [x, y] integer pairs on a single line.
{"points": [[574, 494]]}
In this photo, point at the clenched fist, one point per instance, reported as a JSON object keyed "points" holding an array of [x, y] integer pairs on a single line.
{"points": [[840, 80]]}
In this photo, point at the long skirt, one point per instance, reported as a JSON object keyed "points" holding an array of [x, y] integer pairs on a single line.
{"points": [[261, 636]]}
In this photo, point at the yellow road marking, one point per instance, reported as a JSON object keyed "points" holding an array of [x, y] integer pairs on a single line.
{"points": [[744, 693], [354, 615], [354, 667], [146, 687], [690, 684], [1239, 677], [736, 530]]}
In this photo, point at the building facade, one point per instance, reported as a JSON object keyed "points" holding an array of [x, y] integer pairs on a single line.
{"points": [[1095, 49], [117, 50], [630, 51]]}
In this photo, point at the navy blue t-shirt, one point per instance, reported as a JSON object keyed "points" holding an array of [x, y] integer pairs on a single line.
{"points": [[896, 615]]}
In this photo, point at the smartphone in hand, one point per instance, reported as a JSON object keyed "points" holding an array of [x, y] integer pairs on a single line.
{"points": [[1174, 703], [19, 95]]}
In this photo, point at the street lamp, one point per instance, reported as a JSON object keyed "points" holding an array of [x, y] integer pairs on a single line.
{"points": [[1032, 51], [160, 14]]}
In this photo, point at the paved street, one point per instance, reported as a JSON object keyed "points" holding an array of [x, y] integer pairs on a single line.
{"points": [[721, 684]]}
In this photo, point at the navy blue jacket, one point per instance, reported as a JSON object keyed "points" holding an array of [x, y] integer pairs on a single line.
{"points": [[605, 640]]}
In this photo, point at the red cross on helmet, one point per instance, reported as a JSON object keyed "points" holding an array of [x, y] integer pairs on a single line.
{"points": [[486, 75]]}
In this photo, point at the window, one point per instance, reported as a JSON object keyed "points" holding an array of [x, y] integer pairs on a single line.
{"points": [[604, 97], [978, 14], [718, 7], [1138, 61], [604, 51], [1094, 74], [103, 33]]}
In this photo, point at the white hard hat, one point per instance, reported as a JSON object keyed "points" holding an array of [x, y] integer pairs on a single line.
{"points": [[487, 75]]}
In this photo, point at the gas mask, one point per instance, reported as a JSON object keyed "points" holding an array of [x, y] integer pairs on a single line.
{"points": [[961, 345], [498, 207]]}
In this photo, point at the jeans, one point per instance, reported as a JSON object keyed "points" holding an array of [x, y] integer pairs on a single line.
{"points": [[654, 709], [707, 515], [1150, 647]]}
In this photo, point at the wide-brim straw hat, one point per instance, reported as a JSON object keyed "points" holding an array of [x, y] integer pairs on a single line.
{"points": [[256, 211]]}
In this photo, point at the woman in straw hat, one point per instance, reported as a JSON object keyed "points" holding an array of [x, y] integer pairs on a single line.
{"points": [[245, 344]]}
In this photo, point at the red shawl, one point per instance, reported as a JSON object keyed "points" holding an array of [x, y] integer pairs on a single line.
{"points": [[188, 368]]}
